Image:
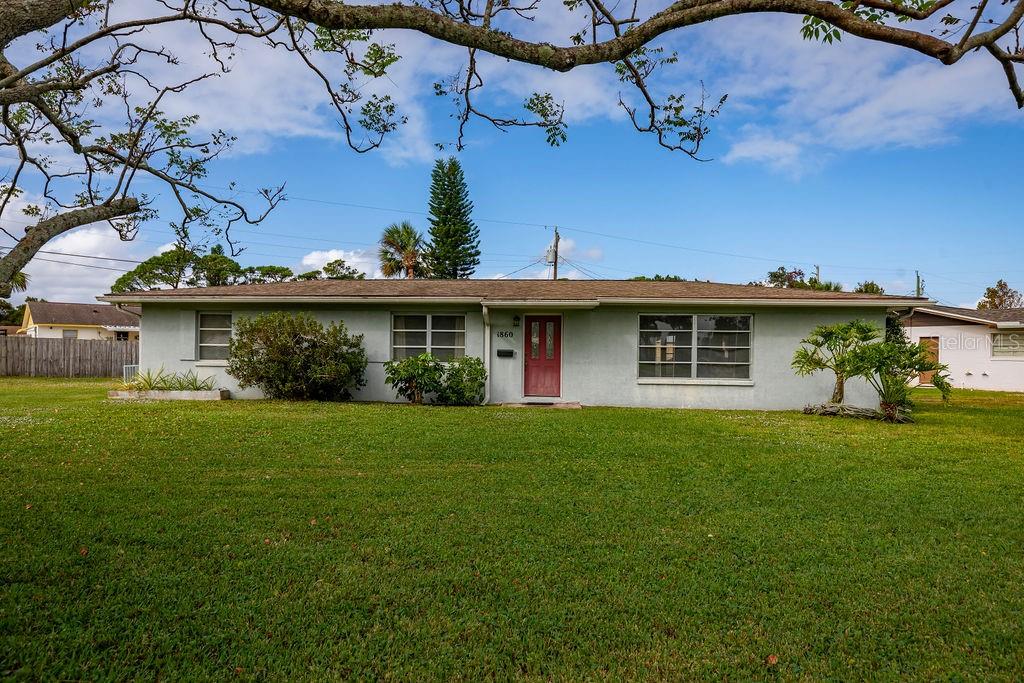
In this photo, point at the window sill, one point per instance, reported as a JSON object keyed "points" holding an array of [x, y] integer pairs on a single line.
{"points": [[689, 380], [211, 363], [1005, 360]]}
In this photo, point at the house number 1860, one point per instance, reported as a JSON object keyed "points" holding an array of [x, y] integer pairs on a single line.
{"points": [[504, 334]]}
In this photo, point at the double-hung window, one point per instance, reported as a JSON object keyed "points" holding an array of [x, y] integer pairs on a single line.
{"points": [[214, 333], [443, 336], [1008, 345], [695, 346]]}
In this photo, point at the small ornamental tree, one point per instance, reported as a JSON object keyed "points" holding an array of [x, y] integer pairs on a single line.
{"points": [[415, 377], [292, 356], [829, 347], [890, 367]]}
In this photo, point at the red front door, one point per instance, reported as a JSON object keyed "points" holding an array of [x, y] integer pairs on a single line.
{"points": [[543, 354]]}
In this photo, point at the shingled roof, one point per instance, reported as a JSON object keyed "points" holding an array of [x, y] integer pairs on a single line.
{"points": [[1000, 316], [495, 291], [56, 313]]}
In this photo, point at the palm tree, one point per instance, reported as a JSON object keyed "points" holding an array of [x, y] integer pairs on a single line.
{"points": [[19, 282], [401, 251]]}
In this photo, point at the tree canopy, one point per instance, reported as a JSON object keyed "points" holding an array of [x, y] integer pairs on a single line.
{"points": [[794, 278], [180, 267], [1001, 296], [61, 61], [659, 278], [454, 250], [402, 252]]}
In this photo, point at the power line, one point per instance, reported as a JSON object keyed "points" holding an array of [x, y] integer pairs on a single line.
{"points": [[528, 265]]}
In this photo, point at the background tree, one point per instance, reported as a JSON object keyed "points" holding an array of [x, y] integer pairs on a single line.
{"points": [[784, 277], [659, 278], [831, 347], [339, 270], [1000, 297], [14, 315], [261, 275], [77, 169], [869, 287], [215, 269], [454, 250], [402, 251], [170, 269]]}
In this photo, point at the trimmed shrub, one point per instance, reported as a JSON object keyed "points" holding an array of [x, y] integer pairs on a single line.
{"points": [[459, 382], [463, 382], [292, 356], [415, 377]]}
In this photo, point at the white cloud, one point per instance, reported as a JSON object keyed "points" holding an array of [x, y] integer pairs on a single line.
{"points": [[763, 147], [811, 99]]}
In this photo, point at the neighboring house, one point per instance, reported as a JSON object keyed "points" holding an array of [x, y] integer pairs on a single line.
{"points": [[625, 343], [53, 320], [8, 330], [983, 349]]}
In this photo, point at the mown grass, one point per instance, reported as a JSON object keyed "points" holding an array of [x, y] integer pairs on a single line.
{"points": [[273, 540]]}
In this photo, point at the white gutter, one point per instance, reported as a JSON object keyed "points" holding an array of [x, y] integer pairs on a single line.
{"points": [[543, 303], [487, 354]]}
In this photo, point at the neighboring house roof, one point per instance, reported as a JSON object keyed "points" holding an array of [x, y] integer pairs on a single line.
{"points": [[98, 315], [10, 330], [581, 293], [1000, 318]]}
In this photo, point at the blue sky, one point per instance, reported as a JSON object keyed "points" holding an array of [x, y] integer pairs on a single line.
{"points": [[871, 168]]}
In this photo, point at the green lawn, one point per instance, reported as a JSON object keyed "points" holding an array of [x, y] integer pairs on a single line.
{"points": [[275, 540]]}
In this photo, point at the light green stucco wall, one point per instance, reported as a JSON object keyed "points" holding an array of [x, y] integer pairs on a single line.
{"points": [[599, 353]]}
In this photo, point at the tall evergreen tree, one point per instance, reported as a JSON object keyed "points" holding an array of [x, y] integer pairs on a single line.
{"points": [[454, 250]]}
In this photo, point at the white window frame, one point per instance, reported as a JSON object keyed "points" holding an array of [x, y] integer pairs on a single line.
{"points": [[200, 329], [1018, 356], [64, 333], [430, 346], [693, 379]]}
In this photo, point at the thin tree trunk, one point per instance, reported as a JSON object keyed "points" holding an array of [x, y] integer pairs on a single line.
{"points": [[839, 393]]}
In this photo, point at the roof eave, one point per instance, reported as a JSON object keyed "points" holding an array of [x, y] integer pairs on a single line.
{"points": [[969, 318], [516, 303], [816, 303], [214, 298]]}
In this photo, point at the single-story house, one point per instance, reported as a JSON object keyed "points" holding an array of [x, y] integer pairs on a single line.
{"points": [[983, 349], [9, 330], [55, 320], [596, 342]]}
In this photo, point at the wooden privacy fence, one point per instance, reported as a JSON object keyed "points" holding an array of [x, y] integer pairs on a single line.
{"points": [[31, 357]]}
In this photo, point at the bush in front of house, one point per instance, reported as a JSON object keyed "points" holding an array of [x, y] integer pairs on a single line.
{"points": [[415, 377], [889, 365], [459, 382], [463, 382], [292, 356]]}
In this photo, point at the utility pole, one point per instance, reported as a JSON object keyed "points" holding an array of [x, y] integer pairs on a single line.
{"points": [[817, 273], [920, 285], [554, 273]]}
